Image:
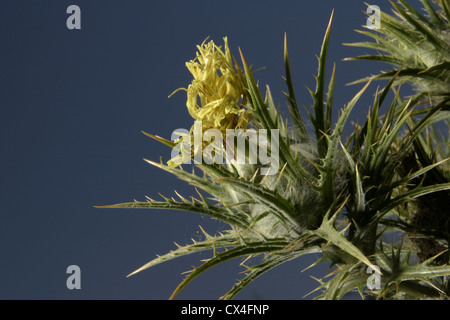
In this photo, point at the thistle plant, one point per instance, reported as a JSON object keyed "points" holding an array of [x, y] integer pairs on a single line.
{"points": [[344, 197]]}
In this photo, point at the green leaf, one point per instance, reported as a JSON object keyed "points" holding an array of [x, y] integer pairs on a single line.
{"points": [[228, 239], [227, 215], [415, 193], [330, 163], [435, 19], [424, 30], [411, 11], [328, 232], [293, 106], [279, 206], [256, 271], [320, 115], [259, 106], [249, 249], [446, 8], [300, 247], [293, 167], [329, 103]]}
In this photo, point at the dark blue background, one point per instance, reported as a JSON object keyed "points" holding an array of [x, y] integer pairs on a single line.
{"points": [[73, 104]]}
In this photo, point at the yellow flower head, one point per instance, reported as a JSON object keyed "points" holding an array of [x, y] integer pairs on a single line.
{"points": [[216, 89]]}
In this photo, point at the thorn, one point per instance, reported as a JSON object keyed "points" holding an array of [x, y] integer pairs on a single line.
{"points": [[428, 261], [180, 196], [153, 163], [189, 271], [165, 198], [310, 266], [208, 236], [242, 263], [320, 281]]}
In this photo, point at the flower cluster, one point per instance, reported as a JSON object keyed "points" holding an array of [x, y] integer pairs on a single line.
{"points": [[213, 97], [218, 88]]}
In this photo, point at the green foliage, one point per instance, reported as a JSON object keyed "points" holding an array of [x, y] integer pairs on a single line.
{"points": [[417, 46], [335, 195]]}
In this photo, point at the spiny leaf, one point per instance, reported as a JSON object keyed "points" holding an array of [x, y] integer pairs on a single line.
{"points": [[253, 272], [293, 106], [257, 271], [424, 30], [318, 95], [329, 163], [228, 239], [224, 214], [423, 272], [328, 232], [251, 248], [411, 11], [330, 96], [415, 193], [281, 207], [285, 155]]}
